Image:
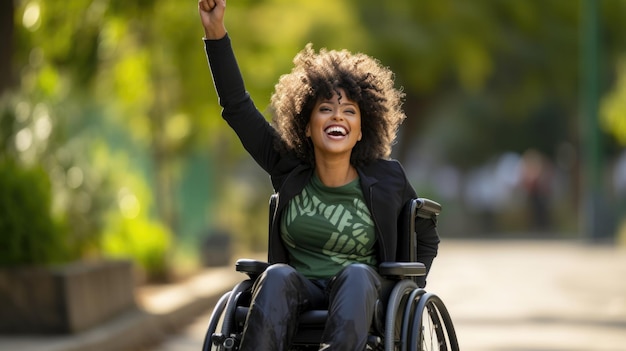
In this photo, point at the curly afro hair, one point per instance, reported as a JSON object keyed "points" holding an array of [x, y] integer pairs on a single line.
{"points": [[320, 75]]}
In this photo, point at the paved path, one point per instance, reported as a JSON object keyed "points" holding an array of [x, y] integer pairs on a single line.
{"points": [[517, 296]]}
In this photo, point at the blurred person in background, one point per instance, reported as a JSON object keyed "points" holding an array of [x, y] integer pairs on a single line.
{"points": [[536, 180]]}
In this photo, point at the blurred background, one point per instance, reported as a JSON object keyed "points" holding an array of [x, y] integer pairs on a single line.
{"points": [[112, 144]]}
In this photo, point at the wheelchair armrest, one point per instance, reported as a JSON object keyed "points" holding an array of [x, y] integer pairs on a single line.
{"points": [[252, 268], [402, 269]]}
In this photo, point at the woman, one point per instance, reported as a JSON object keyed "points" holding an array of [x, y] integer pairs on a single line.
{"points": [[327, 153]]}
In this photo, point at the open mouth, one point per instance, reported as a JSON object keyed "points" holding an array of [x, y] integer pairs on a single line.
{"points": [[336, 131]]}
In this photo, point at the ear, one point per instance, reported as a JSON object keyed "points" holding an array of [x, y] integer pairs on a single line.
{"points": [[307, 131], [360, 136]]}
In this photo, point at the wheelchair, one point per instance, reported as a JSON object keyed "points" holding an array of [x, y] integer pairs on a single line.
{"points": [[406, 318]]}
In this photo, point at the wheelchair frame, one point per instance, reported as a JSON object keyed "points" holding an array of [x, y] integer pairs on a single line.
{"points": [[414, 320]]}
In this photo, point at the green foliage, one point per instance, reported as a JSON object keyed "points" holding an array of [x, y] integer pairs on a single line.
{"points": [[62, 54], [131, 77], [613, 110], [36, 136], [29, 234], [146, 242], [130, 231]]}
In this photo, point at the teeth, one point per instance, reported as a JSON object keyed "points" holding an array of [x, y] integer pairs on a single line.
{"points": [[336, 129]]}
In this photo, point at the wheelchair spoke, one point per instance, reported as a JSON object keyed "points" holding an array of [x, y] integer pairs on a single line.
{"points": [[432, 328], [432, 334]]}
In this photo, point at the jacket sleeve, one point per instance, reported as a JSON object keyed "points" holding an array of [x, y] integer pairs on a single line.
{"points": [[427, 238], [256, 134], [427, 242]]}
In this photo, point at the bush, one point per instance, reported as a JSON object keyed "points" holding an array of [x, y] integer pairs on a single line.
{"points": [[28, 232], [146, 242]]}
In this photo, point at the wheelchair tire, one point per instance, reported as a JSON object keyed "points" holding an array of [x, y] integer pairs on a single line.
{"points": [[216, 315], [432, 328], [229, 315], [408, 317], [397, 301], [229, 339]]}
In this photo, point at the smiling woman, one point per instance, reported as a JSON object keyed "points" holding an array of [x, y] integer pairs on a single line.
{"points": [[339, 196], [364, 81], [334, 129]]}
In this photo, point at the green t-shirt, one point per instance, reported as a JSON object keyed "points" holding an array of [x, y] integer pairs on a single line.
{"points": [[327, 228]]}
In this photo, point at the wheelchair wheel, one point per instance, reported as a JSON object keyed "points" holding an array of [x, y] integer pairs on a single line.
{"points": [[396, 310], [216, 316], [408, 317], [228, 339], [432, 328]]}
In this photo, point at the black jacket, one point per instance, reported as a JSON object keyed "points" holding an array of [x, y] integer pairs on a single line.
{"points": [[385, 186]]}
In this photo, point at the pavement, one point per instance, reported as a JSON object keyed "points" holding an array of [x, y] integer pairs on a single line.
{"points": [[513, 295]]}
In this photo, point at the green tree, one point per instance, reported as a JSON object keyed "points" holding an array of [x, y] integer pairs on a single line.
{"points": [[133, 76], [613, 110]]}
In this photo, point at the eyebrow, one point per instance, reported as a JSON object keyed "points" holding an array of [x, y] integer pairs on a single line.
{"points": [[344, 102]]}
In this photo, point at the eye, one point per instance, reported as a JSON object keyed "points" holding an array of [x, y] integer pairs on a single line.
{"points": [[325, 109]]}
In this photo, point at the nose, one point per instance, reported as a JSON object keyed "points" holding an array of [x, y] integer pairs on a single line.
{"points": [[337, 115]]}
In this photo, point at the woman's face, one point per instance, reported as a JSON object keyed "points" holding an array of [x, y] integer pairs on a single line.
{"points": [[335, 126]]}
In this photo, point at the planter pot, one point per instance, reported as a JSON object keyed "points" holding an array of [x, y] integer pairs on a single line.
{"points": [[64, 299]]}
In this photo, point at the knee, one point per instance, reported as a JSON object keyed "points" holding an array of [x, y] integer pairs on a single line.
{"points": [[356, 270], [359, 274], [278, 280], [279, 273]]}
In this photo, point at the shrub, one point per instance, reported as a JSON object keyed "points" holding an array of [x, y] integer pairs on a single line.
{"points": [[28, 233], [146, 242]]}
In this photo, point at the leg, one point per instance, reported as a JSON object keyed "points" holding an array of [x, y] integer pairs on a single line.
{"points": [[353, 295], [278, 297]]}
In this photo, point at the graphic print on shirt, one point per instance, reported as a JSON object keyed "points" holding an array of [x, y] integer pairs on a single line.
{"points": [[344, 230]]}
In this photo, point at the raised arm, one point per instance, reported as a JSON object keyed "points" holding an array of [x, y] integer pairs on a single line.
{"points": [[256, 134], [212, 17]]}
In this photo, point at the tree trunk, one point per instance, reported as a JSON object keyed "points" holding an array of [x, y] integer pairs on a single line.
{"points": [[7, 28]]}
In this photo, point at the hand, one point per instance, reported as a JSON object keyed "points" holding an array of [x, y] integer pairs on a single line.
{"points": [[212, 17]]}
